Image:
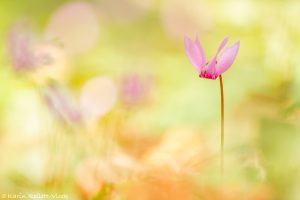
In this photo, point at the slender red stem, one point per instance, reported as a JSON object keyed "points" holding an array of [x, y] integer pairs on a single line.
{"points": [[222, 124]]}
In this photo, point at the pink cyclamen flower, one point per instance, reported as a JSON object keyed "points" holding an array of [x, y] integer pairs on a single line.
{"points": [[135, 89], [21, 49], [21, 46], [61, 103], [217, 65]]}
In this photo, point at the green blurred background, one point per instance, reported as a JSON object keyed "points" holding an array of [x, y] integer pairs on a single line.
{"points": [[119, 37]]}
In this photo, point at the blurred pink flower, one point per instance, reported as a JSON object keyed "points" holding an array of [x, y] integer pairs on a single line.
{"points": [[22, 51], [216, 66], [61, 103], [135, 89]]}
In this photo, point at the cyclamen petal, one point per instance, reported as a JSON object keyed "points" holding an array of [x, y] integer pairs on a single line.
{"points": [[194, 53], [202, 56], [222, 45], [227, 57], [211, 66]]}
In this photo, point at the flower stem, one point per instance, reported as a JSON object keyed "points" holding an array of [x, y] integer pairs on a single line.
{"points": [[222, 125]]}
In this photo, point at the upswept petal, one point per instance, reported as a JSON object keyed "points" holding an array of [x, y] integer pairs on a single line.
{"points": [[194, 53], [211, 66], [198, 44], [227, 57], [222, 45]]}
